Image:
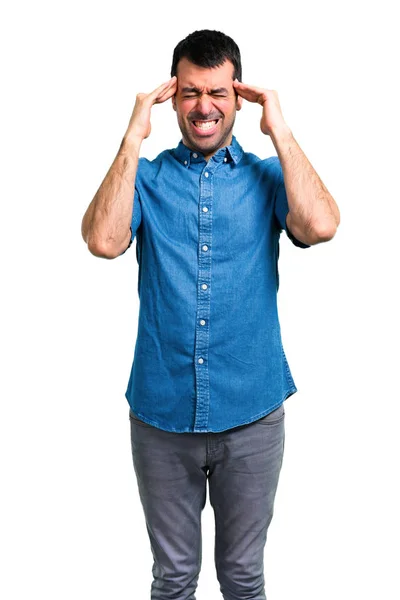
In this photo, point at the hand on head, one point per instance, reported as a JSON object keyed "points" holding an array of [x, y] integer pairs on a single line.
{"points": [[139, 125]]}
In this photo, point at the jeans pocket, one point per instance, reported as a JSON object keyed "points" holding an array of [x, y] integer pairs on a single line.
{"points": [[275, 416]]}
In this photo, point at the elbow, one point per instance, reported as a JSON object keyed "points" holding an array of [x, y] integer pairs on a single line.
{"points": [[102, 250], [110, 248], [324, 232]]}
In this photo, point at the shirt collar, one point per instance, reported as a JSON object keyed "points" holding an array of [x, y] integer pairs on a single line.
{"points": [[186, 156]]}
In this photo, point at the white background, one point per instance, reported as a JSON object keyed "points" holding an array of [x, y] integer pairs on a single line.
{"points": [[71, 521]]}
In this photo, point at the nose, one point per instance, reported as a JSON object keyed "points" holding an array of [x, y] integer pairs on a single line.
{"points": [[204, 104]]}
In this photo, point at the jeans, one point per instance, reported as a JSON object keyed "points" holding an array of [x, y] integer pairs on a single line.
{"points": [[242, 466]]}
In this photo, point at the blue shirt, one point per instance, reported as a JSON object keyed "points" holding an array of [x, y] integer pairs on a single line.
{"points": [[208, 354]]}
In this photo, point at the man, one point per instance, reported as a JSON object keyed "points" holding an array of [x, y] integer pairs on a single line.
{"points": [[209, 376]]}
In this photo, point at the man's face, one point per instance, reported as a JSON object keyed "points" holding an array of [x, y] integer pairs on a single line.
{"points": [[206, 94]]}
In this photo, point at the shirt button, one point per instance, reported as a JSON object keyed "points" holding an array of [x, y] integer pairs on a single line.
{"points": [[225, 159], [204, 286], [205, 209], [201, 360], [202, 322], [194, 155], [205, 248], [185, 162], [206, 174]]}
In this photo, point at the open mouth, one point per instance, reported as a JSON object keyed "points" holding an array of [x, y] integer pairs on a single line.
{"points": [[205, 127]]}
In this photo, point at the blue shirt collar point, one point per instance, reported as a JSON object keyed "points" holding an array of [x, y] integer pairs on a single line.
{"points": [[231, 153]]}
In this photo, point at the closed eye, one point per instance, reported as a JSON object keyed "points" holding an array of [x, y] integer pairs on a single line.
{"points": [[214, 95]]}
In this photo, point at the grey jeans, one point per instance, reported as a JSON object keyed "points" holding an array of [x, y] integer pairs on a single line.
{"points": [[242, 466]]}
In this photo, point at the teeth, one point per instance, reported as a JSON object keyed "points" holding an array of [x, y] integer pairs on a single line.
{"points": [[205, 124]]}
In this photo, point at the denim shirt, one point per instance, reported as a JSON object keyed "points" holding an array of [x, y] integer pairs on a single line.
{"points": [[208, 355]]}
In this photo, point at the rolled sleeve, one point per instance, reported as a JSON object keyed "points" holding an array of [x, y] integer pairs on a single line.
{"points": [[281, 211], [136, 218], [136, 214]]}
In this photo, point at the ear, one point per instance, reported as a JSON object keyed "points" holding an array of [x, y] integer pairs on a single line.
{"points": [[173, 102], [239, 102]]}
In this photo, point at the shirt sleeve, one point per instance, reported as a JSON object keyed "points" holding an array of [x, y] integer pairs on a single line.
{"points": [[282, 209], [136, 218]]}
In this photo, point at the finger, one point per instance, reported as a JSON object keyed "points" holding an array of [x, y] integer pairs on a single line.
{"points": [[167, 93], [250, 88], [163, 95], [237, 83], [246, 86], [247, 94], [244, 90], [251, 94], [163, 86]]}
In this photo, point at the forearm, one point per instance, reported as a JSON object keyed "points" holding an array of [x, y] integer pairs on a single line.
{"points": [[106, 223], [313, 213]]}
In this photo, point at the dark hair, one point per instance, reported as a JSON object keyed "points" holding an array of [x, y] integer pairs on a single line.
{"points": [[207, 48]]}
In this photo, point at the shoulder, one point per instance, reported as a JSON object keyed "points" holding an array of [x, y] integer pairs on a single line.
{"points": [[273, 167], [149, 167], [147, 164], [266, 168], [271, 164]]}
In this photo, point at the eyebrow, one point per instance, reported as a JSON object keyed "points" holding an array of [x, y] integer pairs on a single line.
{"points": [[195, 89]]}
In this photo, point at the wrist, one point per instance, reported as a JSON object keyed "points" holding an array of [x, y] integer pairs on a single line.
{"points": [[281, 134], [131, 141]]}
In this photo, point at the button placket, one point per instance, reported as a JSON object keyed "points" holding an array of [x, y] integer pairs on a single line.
{"points": [[203, 299]]}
